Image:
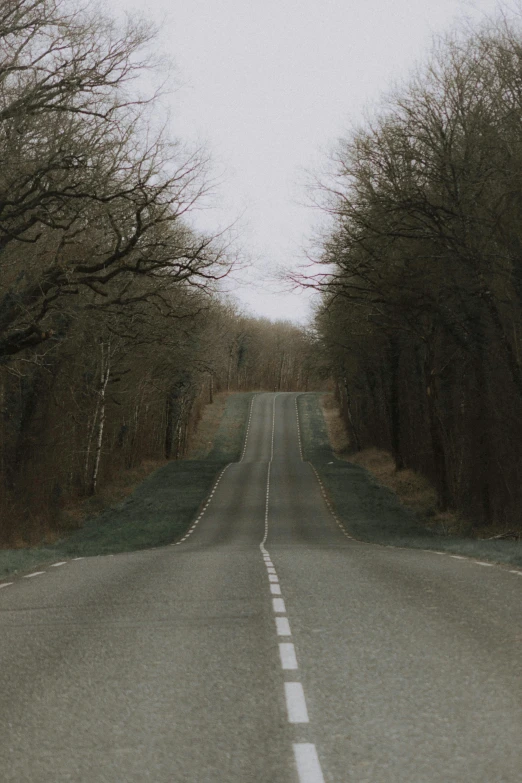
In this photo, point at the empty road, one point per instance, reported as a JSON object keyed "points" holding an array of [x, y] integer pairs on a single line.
{"points": [[266, 647]]}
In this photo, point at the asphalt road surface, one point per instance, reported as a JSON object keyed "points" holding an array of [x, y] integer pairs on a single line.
{"points": [[265, 647]]}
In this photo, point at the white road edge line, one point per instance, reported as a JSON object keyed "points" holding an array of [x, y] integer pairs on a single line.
{"points": [[265, 536], [307, 763], [5, 584], [273, 578], [275, 589], [61, 563], [36, 573], [248, 427], [195, 523], [287, 654], [181, 540], [296, 703], [321, 485], [278, 605]]}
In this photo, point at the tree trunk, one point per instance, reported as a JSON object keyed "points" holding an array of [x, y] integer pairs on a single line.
{"points": [[484, 456], [280, 376], [104, 380], [436, 434], [511, 356], [90, 437], [169, 424], [353, 430], [229, 370], [394, 405]]}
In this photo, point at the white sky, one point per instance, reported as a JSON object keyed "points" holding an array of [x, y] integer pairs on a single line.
{"points": [[268, 86]]}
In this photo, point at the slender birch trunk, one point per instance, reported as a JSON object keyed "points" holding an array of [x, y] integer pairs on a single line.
{"points": [[104, 380], [90, 437]]}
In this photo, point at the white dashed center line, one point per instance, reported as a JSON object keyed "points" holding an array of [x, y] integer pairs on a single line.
{"points": [[282, 626], [295, 703], [36, 573], [287, 653], [55, 565], [305, 754], [5, 584], [307, 763]]}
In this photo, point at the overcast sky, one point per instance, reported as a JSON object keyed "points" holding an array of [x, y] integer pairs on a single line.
{"points": [[268, 86]]}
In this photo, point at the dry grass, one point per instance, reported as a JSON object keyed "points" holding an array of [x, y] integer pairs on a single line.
{"points": [[124, 482], [337, 434], [115, 491], [165, 499], [40, 529], [119, 486], [412, 489]]}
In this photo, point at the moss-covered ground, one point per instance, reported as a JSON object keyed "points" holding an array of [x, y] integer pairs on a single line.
{"points": [[373, 513]]}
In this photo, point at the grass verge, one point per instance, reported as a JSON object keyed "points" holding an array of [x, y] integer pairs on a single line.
{"points": [[372, 512], [412, 489], [159, 510]]}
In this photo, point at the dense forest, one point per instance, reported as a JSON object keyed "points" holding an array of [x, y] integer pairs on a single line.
{"points": [[114, 328], [113, 331], [421, 284]]}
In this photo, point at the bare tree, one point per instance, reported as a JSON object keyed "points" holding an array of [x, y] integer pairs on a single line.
{"points": [[421, 310]]}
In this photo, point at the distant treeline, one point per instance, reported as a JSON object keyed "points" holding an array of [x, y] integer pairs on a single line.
{"points": [[421, 313], [112, 333]]}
